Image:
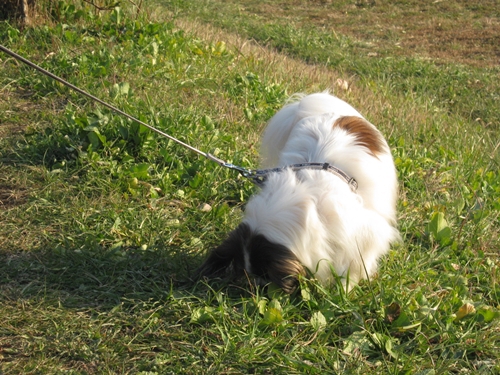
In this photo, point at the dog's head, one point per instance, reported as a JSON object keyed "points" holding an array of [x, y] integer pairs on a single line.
{"points": [[245, 251]]}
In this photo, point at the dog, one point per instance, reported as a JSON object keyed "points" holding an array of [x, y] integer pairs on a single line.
{"points": [[335, 221]]}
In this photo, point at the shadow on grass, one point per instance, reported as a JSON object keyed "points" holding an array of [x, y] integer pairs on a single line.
{"points": [[98, 278]]}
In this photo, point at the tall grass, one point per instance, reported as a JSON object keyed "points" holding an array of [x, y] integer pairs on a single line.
{"points": [[103, 221]]}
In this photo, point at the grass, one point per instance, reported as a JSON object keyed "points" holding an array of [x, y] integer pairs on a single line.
{"points": [[103, 221], [387, 56]]}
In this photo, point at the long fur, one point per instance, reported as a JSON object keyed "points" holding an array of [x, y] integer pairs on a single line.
{"points": [[312, 218]]}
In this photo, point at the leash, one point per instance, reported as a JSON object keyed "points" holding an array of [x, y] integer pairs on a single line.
{"points": [[211, 157], [258, 177]]}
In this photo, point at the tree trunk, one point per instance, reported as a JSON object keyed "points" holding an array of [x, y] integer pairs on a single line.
{"points": [[21, 10]]}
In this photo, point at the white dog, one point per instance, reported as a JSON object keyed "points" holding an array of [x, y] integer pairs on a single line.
{"points": [[330, 206]]}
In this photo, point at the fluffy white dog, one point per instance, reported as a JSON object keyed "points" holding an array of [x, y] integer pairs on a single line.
{"points": [[330, 206]]}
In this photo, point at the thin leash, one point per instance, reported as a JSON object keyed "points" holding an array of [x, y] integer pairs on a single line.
{"points": [[211, 157], [258, 177]]}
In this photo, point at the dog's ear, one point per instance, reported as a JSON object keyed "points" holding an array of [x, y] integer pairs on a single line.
{"points": [[228, 256], [366, 134], [275, 263]]}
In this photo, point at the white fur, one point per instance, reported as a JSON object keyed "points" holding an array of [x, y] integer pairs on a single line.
{"points": [[315, 213]]}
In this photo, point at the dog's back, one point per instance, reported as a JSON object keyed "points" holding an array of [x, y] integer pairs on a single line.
{"points": [[371, 164], [279, 128]]}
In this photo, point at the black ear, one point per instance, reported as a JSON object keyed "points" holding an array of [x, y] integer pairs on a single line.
{"points": [[228, 256], [275, 263]]}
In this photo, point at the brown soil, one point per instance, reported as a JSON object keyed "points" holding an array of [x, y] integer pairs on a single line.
{"points": [[463, 31]]}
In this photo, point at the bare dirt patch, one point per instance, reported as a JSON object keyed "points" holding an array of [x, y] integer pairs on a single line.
{"points": [[463, 31], [11, 196], [16, 112]]}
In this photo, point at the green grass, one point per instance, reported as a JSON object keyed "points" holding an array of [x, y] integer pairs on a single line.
{"points": [[102, 221]]}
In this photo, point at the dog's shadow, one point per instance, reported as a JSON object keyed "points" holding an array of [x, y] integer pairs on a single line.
{"points": [[96, 277]]}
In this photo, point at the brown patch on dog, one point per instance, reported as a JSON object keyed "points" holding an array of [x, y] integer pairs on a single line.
{"points": [[365, 133]]}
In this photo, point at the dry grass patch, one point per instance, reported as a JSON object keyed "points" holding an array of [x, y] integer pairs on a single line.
{"points": [[299, 76], [467, 32], [276, 66]]}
